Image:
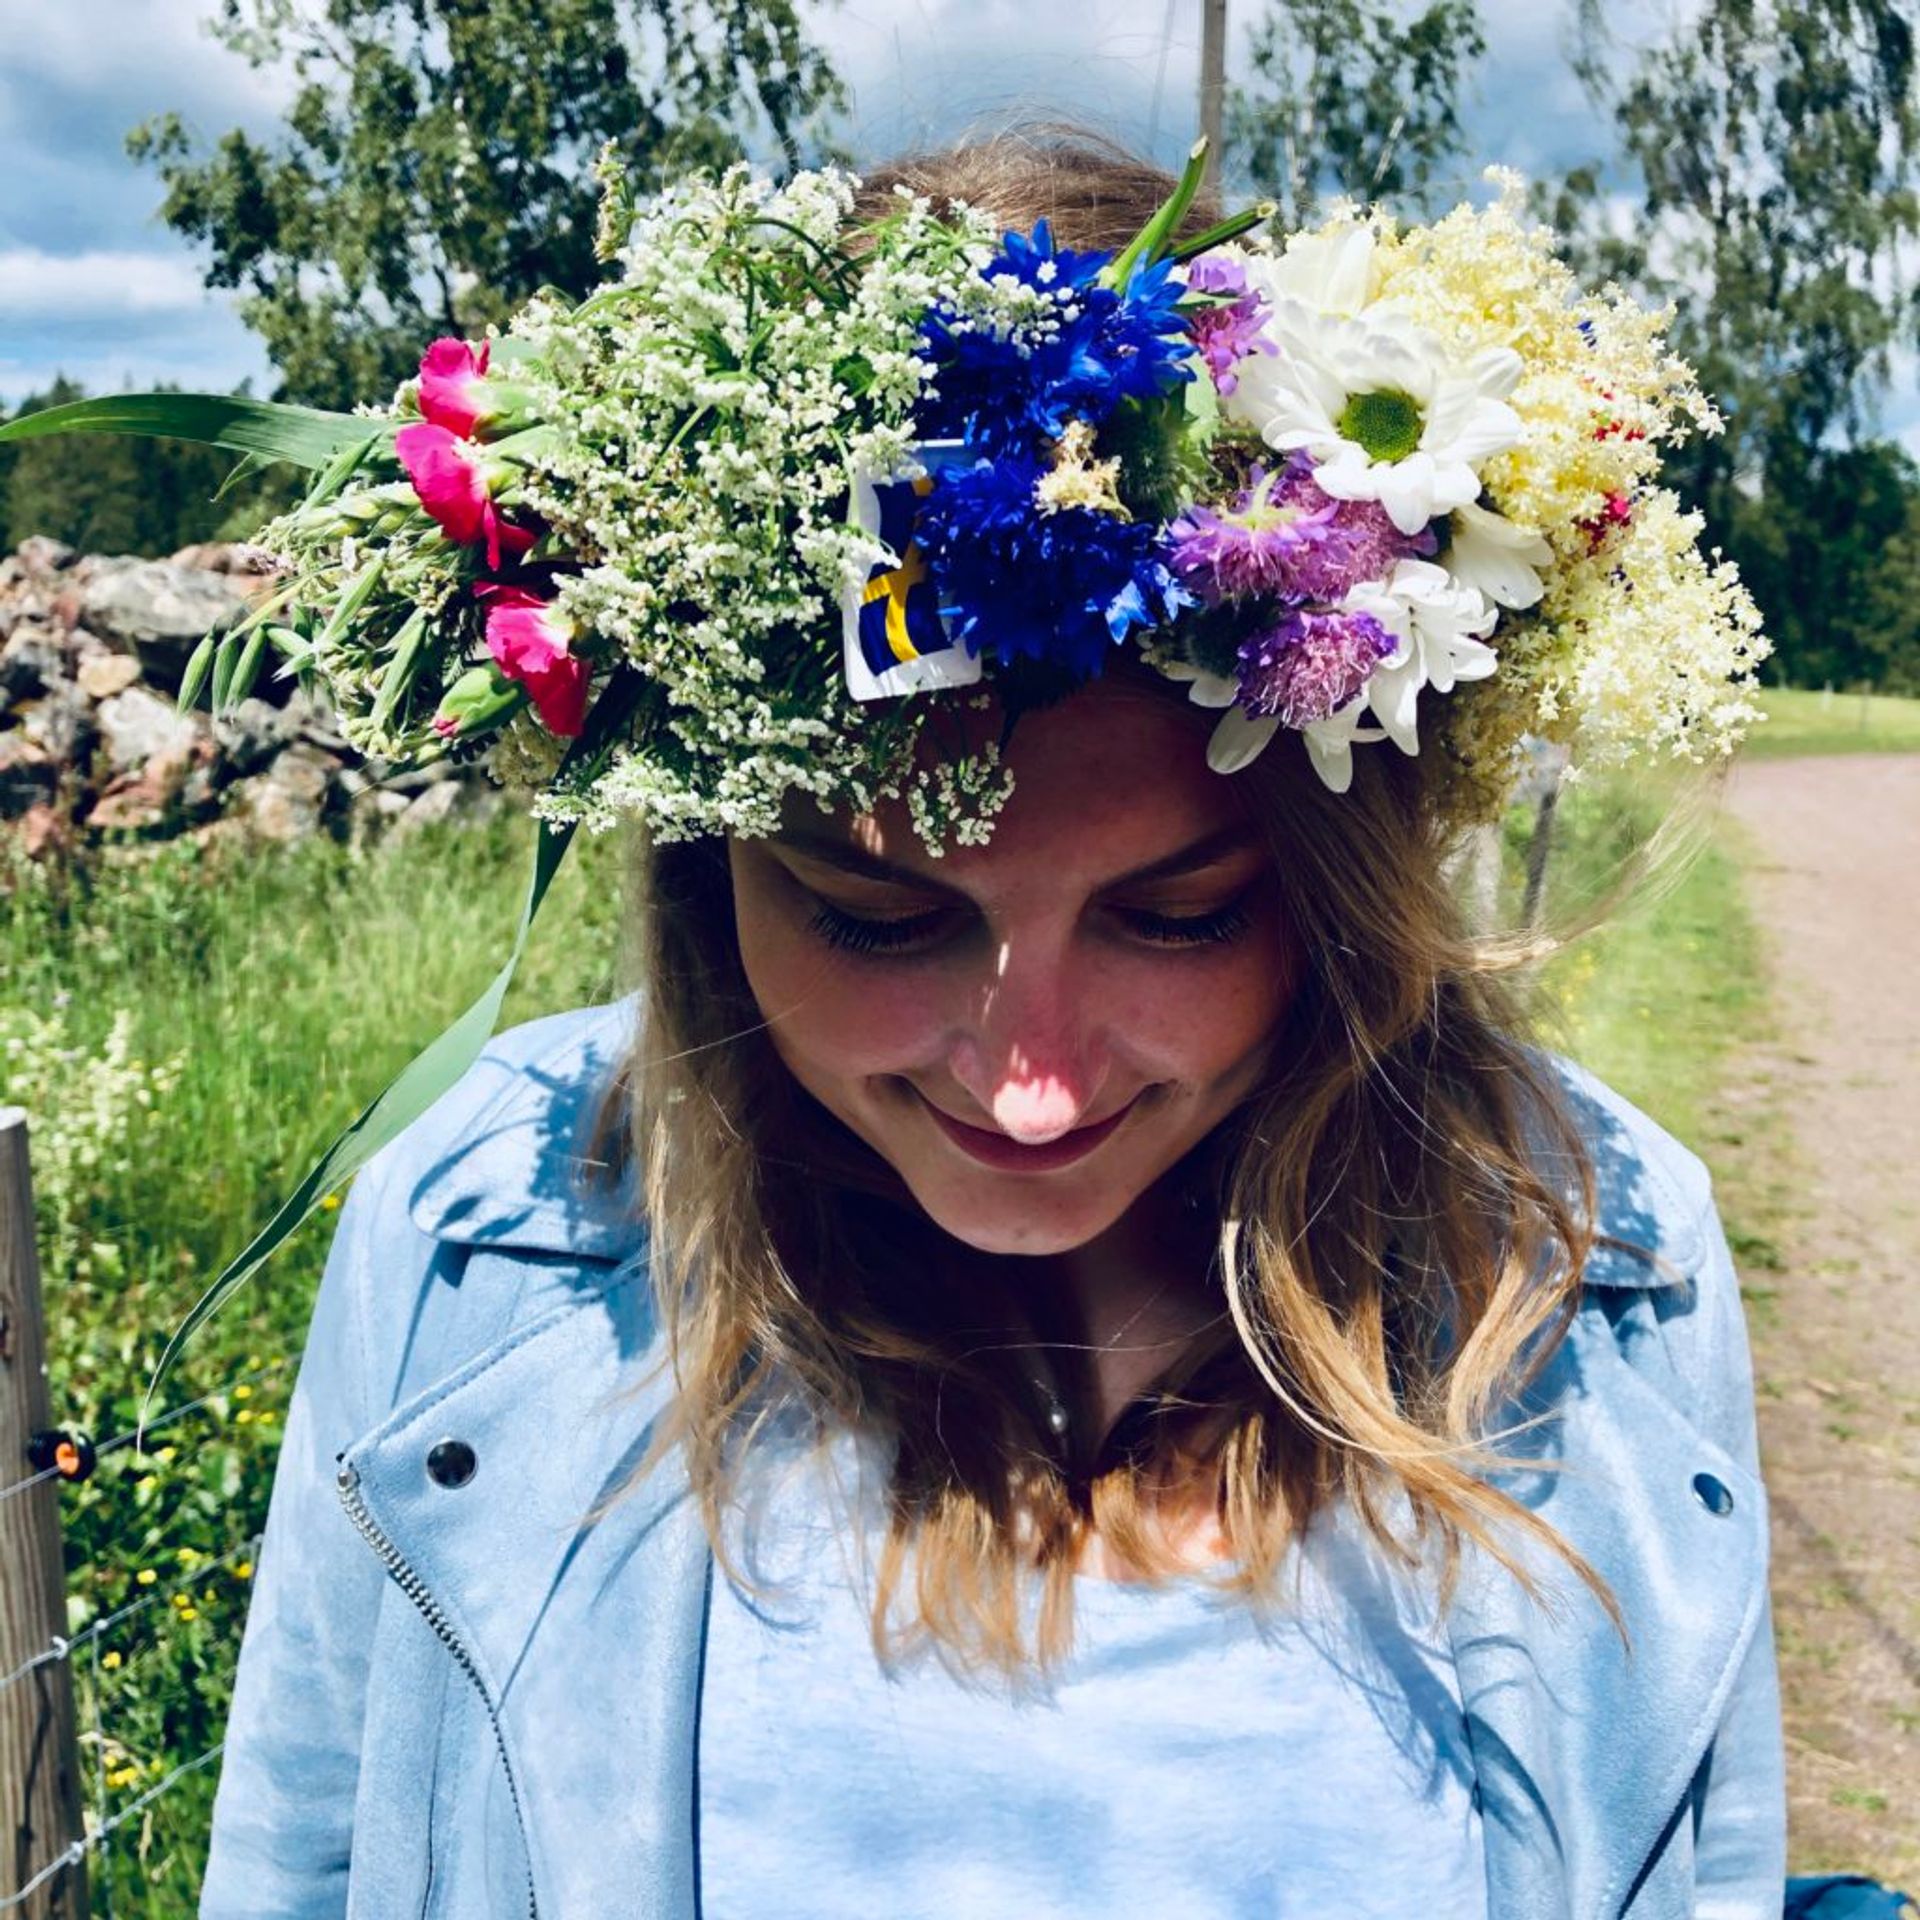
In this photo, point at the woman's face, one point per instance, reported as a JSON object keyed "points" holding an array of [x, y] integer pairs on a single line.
{"points": [[1032, 1032]]}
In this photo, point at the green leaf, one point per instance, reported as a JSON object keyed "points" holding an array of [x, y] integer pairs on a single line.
{"points": [[195, 676], [1151, 241], [226, 658], [399, 671], [434, 1069], [1229, 229], [303, 435], [248, 671]]}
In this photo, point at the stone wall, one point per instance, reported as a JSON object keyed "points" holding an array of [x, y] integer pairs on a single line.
{"points": [[92, 650]]}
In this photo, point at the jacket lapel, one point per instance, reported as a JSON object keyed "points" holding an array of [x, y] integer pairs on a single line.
{"points": [[1582, 1748], [584, 1639]]}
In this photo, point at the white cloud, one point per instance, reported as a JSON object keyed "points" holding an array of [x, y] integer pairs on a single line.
{"points": [[35, 285]]}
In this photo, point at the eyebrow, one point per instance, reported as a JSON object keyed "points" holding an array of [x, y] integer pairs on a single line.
{"points": [[841, 854]]}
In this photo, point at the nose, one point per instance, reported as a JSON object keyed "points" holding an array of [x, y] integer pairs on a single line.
{"points": [[1031, 1055]]}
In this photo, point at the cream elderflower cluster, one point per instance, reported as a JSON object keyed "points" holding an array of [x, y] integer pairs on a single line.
{"points": [[1457, 376]]}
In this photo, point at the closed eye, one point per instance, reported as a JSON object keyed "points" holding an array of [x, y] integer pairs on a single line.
{"points": [[859, 933]]}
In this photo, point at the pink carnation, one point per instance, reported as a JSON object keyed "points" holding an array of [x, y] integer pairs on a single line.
{"points": [[531, 642], [453, 482], [451, 393]]}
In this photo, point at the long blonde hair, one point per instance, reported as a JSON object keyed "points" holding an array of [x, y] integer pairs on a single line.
{"points": [[1394, 1259]]}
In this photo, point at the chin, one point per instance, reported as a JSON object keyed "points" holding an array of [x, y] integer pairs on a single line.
{"points": [[998, 1217]]}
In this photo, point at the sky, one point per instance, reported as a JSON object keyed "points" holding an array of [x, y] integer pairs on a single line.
{"points": [[94, 285]]}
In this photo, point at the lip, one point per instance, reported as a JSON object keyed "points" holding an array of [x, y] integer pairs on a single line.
{"points": [[1007, 1155]]}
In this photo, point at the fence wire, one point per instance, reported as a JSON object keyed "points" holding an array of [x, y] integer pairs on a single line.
{"points": [[119, 1440], [60, 1647], [81, 1848]]}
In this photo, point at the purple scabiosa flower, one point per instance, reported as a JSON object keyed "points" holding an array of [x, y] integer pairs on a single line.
{"points": [[1229, 332], [1285, 539], [1064, 586], [1311, 664]]}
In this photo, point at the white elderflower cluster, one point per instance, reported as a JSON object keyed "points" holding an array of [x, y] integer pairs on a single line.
{"points": [[707, 412]]}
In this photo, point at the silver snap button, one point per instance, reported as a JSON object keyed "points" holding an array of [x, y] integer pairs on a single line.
{"points": [[1712, 1493], [451, 1463]]}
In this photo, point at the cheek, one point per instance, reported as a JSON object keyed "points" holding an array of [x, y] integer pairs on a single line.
{"points": [[1205, 1016], [830, 1016]]}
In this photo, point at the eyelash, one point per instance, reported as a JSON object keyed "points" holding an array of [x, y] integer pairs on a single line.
{"points": [[850, 933]]}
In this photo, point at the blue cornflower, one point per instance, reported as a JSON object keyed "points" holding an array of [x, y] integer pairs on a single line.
{"points": [[1002, 394], [1062, 587], [1040, 264]]}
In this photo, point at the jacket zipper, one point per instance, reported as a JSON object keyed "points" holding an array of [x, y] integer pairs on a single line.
{"points": [[415, 1589]]}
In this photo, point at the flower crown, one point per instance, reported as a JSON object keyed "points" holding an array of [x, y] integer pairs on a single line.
{"points": [[741, 523], [783, 473]]}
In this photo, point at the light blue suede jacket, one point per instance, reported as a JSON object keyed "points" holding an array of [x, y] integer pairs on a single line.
{"points": [[455, 1700]]}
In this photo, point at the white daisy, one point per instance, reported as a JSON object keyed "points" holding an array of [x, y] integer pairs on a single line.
{"points": [[1438, 625], [1330, 742], [1384, 409], [1498, 556]]}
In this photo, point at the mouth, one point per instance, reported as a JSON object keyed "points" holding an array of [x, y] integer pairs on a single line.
{"points": [[1007, 1155]]}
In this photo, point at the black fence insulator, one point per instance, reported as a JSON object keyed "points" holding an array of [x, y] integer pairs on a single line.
{"points": [[64, 1449]]}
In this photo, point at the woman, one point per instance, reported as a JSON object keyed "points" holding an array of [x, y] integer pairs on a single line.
{"points": [[1085, 1369]]}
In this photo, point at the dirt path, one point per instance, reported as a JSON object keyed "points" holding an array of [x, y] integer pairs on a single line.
{"points": [[1833, 854]]}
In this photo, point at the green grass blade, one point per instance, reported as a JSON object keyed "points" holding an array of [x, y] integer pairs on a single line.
{"points": [[432, 1071], [305, 436]]}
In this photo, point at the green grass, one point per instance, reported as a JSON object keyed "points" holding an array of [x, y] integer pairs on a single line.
{"points": [[292, 984], [1802, 722], [1657, 998], [1664, 996]]}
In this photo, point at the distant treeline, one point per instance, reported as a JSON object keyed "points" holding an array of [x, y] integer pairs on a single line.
{"points": [[110, 493]]}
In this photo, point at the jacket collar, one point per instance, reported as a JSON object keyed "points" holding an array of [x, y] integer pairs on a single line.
{"points": [[516, 1173], [1582, 1749]]}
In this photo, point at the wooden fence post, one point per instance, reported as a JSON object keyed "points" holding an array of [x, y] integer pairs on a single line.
{"points": [[40, 1797]]}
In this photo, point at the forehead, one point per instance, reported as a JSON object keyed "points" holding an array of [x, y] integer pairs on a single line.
{"points": [[1107, 780]]}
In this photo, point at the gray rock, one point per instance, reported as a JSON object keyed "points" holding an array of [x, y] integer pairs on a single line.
{"points": [[28, 774], [39, 553], [284, 803], [34, 656], [453, 799], [59, 722], [371, 810], [101, 675], [138, 724], [157, 603], [254, 731]]}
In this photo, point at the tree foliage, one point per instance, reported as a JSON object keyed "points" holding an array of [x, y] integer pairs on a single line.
{"points": [[1775, 144], [436, 164], [1349, 98]]}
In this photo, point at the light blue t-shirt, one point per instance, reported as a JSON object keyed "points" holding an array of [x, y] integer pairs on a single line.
{"points": [[1188, 1761]]}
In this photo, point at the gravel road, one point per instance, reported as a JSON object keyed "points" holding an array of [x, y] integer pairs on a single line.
{"points": [[1833, 854]]}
